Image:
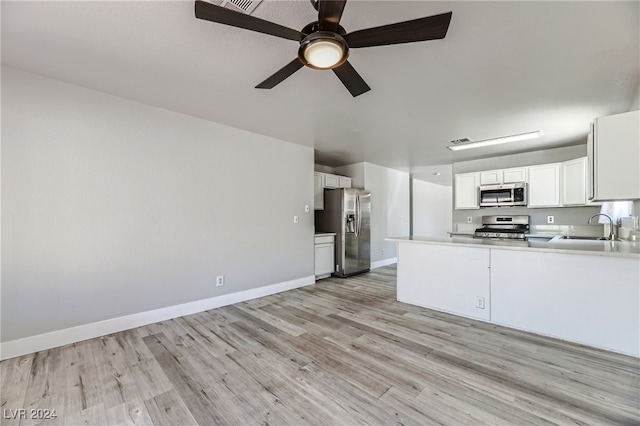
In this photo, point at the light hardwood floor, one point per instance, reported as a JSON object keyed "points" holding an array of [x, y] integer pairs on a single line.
{"points": [[340, 352]]}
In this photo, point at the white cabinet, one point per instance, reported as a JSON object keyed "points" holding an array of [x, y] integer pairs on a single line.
{"points": [[318, 191], [466, 190], [574, 182], [613, 148], [331, 181], [344, 182], [324, 255], [496, 177], [491, 177], [451, 279], [326, 180], [514, 175], [544, 185]]}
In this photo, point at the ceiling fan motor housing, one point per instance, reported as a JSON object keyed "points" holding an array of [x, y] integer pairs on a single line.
{"points": [[332, 43]]}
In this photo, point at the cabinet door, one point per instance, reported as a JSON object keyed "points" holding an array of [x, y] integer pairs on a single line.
{"points": [[574, 182], [324, 259], [491, 177], [345, 182], [331, 181], [466, 190], [318, 191], [517, 174], [544, 185], [615, 151]]}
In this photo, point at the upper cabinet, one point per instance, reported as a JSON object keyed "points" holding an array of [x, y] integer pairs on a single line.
{"points": [[331, 181], [544, 185], [574, 182], [613, 150], [318, 191], [326, 180], [514, 175], [491, 177], [344, 182], [466, 190], [497, 177]]}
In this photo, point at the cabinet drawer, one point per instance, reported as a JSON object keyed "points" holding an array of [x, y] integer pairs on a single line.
{"points": [[324, 239]]}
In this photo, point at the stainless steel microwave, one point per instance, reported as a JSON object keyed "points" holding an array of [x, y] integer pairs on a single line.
{"points": [[507, 195]]}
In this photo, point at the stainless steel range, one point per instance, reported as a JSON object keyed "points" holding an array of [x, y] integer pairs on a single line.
{"points": [[503, 228]]}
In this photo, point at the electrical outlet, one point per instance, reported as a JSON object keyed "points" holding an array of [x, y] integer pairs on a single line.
{"points": [[296, 219], [469, 219], [306, 208], [551, 219], [480, 302], [219, 280]]}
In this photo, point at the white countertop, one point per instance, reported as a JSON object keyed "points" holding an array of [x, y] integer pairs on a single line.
{"points": [[626, 249]]}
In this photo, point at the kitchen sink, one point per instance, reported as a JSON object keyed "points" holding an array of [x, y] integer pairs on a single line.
{"points": [[571, 237]]}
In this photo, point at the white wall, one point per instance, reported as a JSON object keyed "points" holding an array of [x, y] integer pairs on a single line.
{"points": [[112, 207], [432, 209], [389, 205]]}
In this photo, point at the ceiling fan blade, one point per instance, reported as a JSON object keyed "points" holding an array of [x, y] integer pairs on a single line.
{"points": [[329, 14], [281, 74], [222, 15], [351, 79], [429, 28]]}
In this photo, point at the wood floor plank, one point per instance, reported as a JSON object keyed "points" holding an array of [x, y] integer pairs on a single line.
{"points": [[133, 412], [343, 351], [169, 409], [14, 379]]}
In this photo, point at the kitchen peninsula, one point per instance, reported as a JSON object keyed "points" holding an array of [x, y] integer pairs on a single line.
{"points": [[582, 292]]}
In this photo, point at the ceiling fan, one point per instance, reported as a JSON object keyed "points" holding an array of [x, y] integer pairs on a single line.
{"points": [[324, 44]]}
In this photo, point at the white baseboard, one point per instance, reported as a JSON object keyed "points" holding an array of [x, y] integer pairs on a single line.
{"points": [[384, 262], [40, 342]]}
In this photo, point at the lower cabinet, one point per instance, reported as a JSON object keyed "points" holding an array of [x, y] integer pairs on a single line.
{"points": [[431, 276], [324, 255]]}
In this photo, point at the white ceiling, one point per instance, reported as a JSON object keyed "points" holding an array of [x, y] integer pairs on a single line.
{"points": [[504, 68]]}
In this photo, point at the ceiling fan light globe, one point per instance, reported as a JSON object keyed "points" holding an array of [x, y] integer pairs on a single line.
{"points": [[323, 54]]}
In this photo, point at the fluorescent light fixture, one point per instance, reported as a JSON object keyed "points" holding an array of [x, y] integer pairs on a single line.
{"points": [[496, 141]]}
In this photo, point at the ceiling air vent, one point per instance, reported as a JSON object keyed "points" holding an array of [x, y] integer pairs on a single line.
{"points": [[459, 141], [246, 6]]}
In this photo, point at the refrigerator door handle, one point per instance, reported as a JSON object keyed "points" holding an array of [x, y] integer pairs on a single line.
{"points": [[358, 215]]}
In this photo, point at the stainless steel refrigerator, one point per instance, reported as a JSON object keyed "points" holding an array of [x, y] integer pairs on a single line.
{"points": [[347, 212]]}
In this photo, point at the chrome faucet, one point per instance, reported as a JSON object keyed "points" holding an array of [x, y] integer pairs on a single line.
{"points": [[611, 234]]}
